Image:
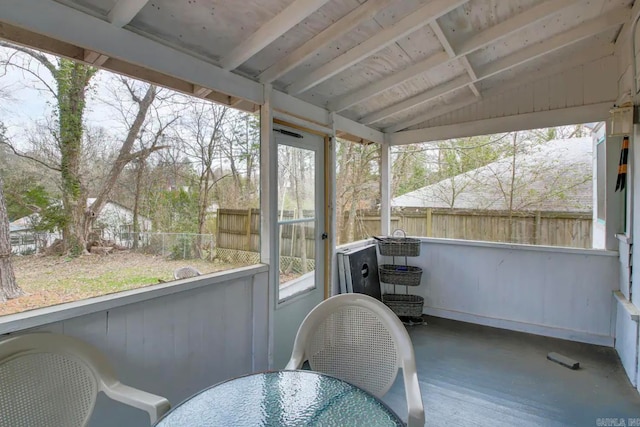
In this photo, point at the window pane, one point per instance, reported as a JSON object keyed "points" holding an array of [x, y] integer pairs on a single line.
{"points": [[296, 219], [297, 257], [601, 174], [357, 191], [529, 187], [186, 196], [296, 183]]}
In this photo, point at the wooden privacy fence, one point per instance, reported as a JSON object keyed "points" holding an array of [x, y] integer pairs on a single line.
{"points": [[238, 235], [239, 230], [572, 229]]}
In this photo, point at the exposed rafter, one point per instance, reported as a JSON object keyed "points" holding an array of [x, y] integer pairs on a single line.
{"points": [[124, 11], [443, 89], [382, 39], [565, 116], [589, 55], [484, 38], [371, 90], [95, 58], [201, 91], [513, 25], [436, 112], [585, 30], [576, 34], [446, 44], [336, 30], [472, 74], [277, 26]]}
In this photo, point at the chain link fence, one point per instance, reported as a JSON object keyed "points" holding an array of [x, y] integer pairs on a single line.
{"points": [[169, 245]]}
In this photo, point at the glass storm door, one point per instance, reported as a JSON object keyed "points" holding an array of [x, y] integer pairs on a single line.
{"points": [[299, 231]]}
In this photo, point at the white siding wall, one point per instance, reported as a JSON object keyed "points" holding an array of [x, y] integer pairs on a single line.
{"points": [[177, 344], [586, 84], [627, 331], [564, 293], [627, 342]]}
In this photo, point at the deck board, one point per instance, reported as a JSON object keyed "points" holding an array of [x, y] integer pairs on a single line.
{"points": [[474, 375]]}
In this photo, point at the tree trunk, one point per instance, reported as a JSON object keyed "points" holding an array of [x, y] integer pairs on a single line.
{"points": [[302, 239], [8, 287], [124, 157], [203, 203], [136, 200], [72, 80], [512, 190]]}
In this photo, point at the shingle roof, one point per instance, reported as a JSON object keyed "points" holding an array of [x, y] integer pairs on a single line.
{"points": [[555, 176]]}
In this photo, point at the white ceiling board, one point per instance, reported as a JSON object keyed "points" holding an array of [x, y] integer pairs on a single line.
{"points": [[387, 36], [298, 35], [426, 108], [417, 45], [412, 87], [591, 56], [545, 62], [280, 24], [378, 66], [371, 69], [334, 49], [211, 28], [562, 21], [477, 15], [420, 44]]}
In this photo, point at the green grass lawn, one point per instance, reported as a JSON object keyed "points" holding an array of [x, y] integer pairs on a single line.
{"points": [[50, 280]]}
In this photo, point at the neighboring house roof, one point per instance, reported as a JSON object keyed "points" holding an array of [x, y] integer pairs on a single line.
{"points": [[554, 176], [15, 228], [116, 214], [24, 223]]}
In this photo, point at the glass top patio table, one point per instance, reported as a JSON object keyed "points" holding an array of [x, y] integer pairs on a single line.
{"points": [[281, 398]]}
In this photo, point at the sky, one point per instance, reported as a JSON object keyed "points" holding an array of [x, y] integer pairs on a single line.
{"points": [[29, 101]]}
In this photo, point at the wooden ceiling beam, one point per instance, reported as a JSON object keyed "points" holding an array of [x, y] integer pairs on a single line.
{"points": [[585, 30], [292, 15], [95, 58], [379, 41], [446, 44], [336, 30], [482, 39], [436, 91], [591, 54], [124, 11]]}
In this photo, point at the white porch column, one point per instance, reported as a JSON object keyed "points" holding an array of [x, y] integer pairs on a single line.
{"points": [[385, 187], [330, 185], [268, 204]]}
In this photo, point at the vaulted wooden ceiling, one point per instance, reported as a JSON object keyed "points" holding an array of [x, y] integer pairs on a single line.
{"points": [[392, 65]]}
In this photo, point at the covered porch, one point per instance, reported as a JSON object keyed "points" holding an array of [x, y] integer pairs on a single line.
{"points": [[387, 72]]}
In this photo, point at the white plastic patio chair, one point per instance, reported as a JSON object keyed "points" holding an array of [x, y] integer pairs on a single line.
{"points": [[49, 380], [185, 273], [357, 338]]}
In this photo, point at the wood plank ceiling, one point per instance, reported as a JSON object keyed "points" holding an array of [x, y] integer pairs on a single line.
{"points": [[389, 64]]}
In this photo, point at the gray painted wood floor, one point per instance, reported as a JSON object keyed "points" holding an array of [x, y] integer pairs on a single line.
{"points": [[473, 375]]}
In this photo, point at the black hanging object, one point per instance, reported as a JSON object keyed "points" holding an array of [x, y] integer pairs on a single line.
{"points": [[622, 167], [289, 133]]}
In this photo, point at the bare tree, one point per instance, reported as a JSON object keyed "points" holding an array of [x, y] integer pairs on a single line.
{"points": [[200, 135], [241, 148], [8, 287], [357, 184], [71, 81]]}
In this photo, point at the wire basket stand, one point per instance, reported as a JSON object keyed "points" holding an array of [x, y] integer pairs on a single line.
{"points": [[406, 306]]}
